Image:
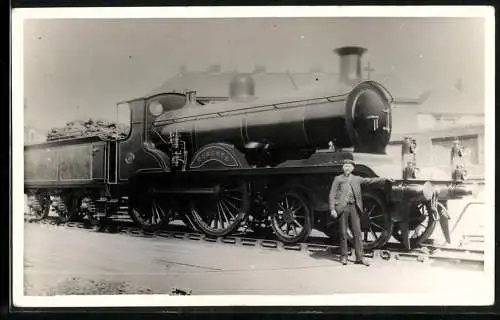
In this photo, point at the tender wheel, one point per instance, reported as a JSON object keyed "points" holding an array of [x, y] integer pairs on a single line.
{"points": [[40, 207], [92, 218], [290, 217], [422, 225], [376, 223], [67, 208], [88, 207], [222, 213], [150, 213]]}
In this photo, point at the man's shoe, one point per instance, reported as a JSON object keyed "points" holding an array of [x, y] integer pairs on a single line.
{"points": [[343, 260], [363, 262]]}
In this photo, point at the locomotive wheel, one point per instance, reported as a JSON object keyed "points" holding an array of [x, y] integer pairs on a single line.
{"points": [[331, 230], [257, 224], [187, 219], [150, 214], [69, 210], [378, 226], [221, 214], [92, 218], [422, 225], [258, 219], [43, 211], [290, 216], [183, 213]]}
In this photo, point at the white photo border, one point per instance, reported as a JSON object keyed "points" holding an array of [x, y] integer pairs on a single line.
{"points": [[19, 15]]}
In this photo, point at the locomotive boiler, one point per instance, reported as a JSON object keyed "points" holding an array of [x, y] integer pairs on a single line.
{"points": [[359, 119], [249, 161]]}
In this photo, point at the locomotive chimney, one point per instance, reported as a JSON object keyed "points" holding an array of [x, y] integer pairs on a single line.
{"points": [[350, 63]]}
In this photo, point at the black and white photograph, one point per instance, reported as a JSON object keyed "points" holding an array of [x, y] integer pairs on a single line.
{"points": [[253, 156]]}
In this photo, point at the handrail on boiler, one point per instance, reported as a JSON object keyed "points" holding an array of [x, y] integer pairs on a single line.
{"points": [[254, 109]]}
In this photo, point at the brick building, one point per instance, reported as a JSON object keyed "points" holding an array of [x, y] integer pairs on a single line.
{"points": [[445, 115], [434, 146]]}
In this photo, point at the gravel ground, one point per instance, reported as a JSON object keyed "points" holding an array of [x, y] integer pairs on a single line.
{"points": [[61, 261], [78, 286]]}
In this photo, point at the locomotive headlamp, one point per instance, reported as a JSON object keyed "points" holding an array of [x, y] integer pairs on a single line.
{"points": [[406, 146], [413, 146], [155, 108], [458, 170]]}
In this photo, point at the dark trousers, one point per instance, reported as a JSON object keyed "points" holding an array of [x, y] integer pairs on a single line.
{"points": [[351, 212]]}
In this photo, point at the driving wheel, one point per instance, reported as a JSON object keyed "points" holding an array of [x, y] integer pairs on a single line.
{"points": [[290, 216], [222, 212], [376, 223], [150, 213], [421, 225]]}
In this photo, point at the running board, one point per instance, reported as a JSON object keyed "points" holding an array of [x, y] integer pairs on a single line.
{"points": [[185, 191]]}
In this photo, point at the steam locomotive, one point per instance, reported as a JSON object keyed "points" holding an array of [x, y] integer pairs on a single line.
{"points": [[262, 163]]}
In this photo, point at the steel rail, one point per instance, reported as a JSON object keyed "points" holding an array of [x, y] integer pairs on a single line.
{"points": [[426, 253]]}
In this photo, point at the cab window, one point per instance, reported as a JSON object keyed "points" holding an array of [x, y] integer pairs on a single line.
{"points": [[164, 103], [123, 120]]}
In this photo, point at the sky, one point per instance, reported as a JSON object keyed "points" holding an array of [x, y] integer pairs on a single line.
{"points": [[82, 68]]}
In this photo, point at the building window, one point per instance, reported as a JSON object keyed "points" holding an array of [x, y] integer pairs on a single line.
{"points": [[441, 148]]}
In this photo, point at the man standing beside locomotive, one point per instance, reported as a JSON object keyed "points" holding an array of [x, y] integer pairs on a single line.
{"points": [[346, 202]]}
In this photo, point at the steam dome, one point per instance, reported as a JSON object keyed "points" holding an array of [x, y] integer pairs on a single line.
{"points": [[242, 87]]}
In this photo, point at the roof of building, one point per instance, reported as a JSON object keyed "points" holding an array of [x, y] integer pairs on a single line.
{"points": [[443, 99], [35, 129], [277, 84], [442, 132], [446, 99]]}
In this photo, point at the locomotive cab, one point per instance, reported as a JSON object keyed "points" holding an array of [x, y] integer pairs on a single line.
{"points": [[146, 147]]}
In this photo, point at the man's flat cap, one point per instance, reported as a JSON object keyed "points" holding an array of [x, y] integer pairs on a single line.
{"points": [[348, 161]]}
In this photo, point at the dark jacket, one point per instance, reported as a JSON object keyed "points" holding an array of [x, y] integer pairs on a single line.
{"points": [[339, 190]]}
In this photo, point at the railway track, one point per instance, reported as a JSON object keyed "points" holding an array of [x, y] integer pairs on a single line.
{"points": [[427, 253]]}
